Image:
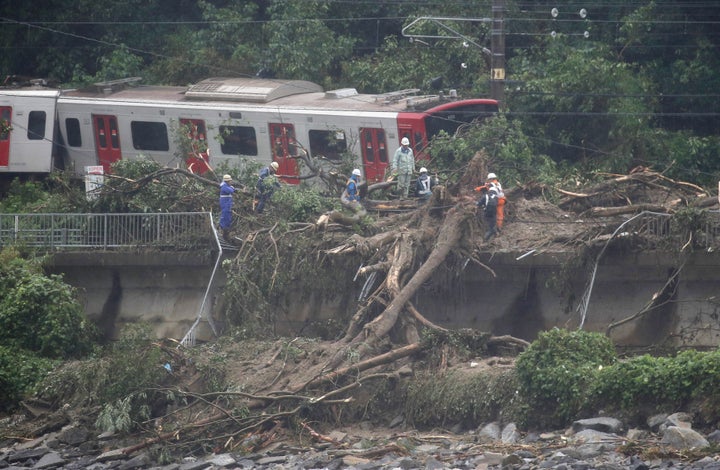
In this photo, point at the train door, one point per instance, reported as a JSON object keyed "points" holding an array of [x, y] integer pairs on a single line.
{"points": [[284, 151], [198, 159], [5, 125], [107, 140], [374, 153], [412, 126]]}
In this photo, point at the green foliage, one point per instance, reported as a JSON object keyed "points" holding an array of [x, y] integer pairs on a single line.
{"points": [[23, 196], [555, 372], [305, 49], [120, 416], [127, 379], [165, 193], [665, 383], [301, 204], [40, 313], [58, 192], [19, 372], [572, 123], [510, 151]]}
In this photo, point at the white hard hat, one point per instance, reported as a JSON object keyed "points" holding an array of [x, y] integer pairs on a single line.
{"points": [[492, 176], [405, 141], [274, 165], [356, 172], [227, 178], [423, 170]]}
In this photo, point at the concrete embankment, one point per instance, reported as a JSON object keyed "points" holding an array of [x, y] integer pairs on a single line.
{"points": [[673, 298]]}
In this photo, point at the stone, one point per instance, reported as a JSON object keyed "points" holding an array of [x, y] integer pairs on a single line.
{"points": [[489, 433], [682, 420], [654, 422], [222, 460], [50, 460], [115, 454], [602, 424], [510, 434], [397, 421], [73, 435], [678, 437], [714, 436], [590, 436], [337, 436], [139, 461], [271, 459]]}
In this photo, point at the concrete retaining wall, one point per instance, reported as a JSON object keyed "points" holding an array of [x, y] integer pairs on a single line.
{"points": [[523, 297]]}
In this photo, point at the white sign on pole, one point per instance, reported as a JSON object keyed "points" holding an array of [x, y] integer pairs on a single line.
{"points": [[93, 180]]}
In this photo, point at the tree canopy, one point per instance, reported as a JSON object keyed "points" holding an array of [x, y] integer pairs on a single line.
{"points": [[608, 86]]}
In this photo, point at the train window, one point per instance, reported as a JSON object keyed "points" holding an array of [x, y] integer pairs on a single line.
{"points": [[149, 135], [238, 140], [329, 144], [382, 148], [72, 127], [36, 125], [6, 124]]}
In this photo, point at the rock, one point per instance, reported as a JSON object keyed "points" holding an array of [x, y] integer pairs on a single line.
{"points": [[510, 434], [73, 435], [50, 460], [678, 437], [337, 436], [602, 424], [115, 454], [655, 421], [714, 436], [681, 420], [396, 421], [489, 433], [196, 465], [350, 460], [590, 436], [222, 460], [139, 461], [635, 434]]}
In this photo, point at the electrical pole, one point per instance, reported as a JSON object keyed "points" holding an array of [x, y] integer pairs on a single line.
{"points": [[497, 46]]}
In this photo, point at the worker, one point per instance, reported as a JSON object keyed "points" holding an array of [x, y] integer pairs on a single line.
{"points": [[424, 185], [226, 203], [488, 204], [350, 197], [403, 165], [266, 185], [492, 181]]}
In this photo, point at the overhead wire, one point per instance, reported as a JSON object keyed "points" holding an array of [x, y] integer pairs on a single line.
{"points": [[39, 25]]}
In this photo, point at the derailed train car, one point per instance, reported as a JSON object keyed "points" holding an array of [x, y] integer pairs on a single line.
{"points": [[226, 118]]}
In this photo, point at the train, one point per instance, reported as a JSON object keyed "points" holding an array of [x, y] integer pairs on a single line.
{"points": [[225, 120]]}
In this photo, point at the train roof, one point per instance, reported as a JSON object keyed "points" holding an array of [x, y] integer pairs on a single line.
{"points": [[258, 92]]}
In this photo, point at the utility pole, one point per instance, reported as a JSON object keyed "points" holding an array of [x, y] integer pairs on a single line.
{"points": [[497, 46]]}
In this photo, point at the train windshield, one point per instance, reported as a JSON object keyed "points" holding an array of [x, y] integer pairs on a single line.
{"points": [[453, 115]]}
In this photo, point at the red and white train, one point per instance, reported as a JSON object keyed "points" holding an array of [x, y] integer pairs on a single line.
{"points": [[261, 119]]}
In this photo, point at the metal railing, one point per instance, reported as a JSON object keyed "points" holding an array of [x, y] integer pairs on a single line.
{"points": [[179, 230], [705, 235]]}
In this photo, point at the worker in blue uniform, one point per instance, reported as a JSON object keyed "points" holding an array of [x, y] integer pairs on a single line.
{"points": [[266, 185], [226, 204]]}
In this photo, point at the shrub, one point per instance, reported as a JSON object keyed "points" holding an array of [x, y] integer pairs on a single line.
{"points": [[19, 372], [40, 313], [556, 371], [663, 383]]}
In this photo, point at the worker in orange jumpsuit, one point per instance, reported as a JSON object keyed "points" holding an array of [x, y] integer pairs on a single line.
{"points": [[492, 182]]}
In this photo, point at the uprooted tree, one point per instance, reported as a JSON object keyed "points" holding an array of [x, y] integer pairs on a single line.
{"points": [[398, 254]]}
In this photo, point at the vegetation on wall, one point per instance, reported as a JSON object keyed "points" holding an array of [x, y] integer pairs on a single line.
{"points": [[41, 321]]}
